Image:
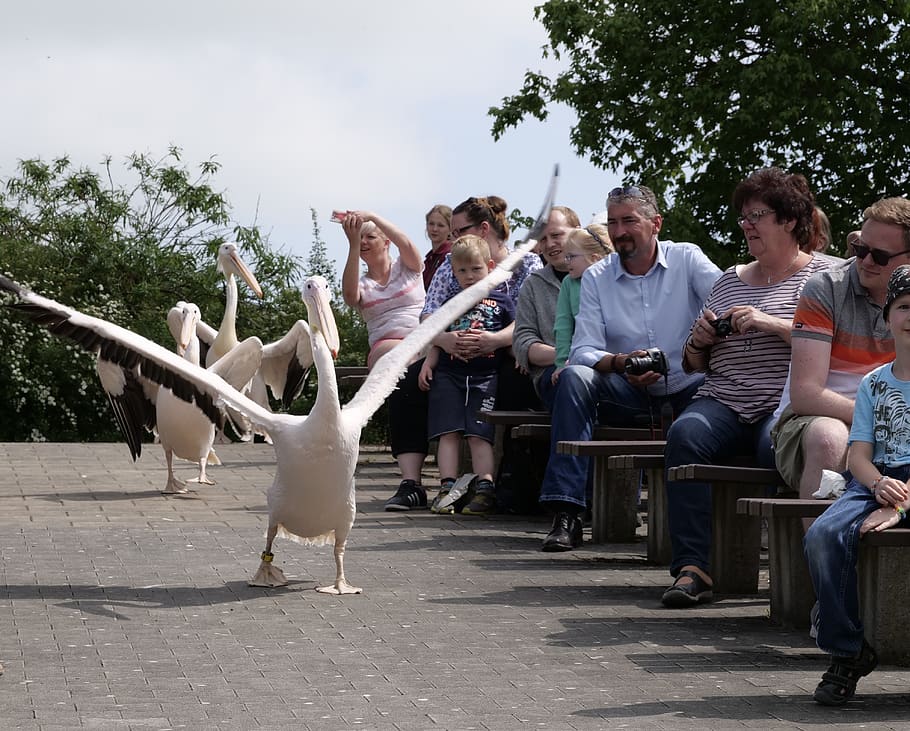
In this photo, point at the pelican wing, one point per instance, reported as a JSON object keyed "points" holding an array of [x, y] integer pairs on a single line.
{"points": [[240, 365], [132, 399], [116, 345], [286, 361]]}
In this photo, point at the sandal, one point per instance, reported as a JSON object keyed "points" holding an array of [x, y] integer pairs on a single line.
{"points": [[839, 683], [680, 596]]}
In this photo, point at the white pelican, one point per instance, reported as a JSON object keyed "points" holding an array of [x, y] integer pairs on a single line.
{"points": [[312, 497], [230, 264], [182, 428]]}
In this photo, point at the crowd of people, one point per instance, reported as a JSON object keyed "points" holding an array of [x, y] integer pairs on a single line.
{"points": [[785, 359]]}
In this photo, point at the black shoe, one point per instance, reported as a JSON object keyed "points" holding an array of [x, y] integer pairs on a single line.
{"points": [[410, 495], [565, 533], [838, 685]]}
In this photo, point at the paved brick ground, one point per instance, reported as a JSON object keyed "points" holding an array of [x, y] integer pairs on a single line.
{"points": [[122, 609]]}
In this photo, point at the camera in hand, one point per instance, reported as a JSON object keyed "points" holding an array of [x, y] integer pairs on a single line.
{"points": [[654, 359], [723, 326]]}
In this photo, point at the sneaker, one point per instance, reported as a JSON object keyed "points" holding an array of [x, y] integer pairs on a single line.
{"points": [[410, 496], [483, 502], [454, 495], [441, 505]]}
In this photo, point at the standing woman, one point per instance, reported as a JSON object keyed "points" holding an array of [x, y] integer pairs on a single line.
{"points": [[484, 217], [439, 230], [742, 342], [390, 294]]}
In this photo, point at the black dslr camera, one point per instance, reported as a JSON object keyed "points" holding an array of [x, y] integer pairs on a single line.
{"points": [[654, 359], [723, 326]]}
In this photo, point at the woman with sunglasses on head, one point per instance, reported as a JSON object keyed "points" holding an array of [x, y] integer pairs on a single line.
{"points": [[484, 217], [741, 341]]}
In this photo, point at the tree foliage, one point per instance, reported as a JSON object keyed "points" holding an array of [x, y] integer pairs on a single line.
{"points": [[125, 250], [690, 97]]}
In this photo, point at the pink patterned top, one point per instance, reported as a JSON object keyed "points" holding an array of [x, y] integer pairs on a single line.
{"points": [[391, 310]]}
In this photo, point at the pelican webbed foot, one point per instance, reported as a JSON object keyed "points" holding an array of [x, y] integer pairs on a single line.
{"points": [[339, 587], [268, 574], [175, 487]]}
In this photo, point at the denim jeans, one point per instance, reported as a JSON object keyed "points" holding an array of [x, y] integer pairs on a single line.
{"points": [[832, 547], [546, 391], [707, 432], [579, 392]]}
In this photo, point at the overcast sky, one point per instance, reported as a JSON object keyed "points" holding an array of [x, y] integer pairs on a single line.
{"points": [[344, 104]]}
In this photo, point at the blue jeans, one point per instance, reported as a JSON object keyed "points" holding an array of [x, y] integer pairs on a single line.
{"points": [[579, 391], [546, 391], [707, 432], [832, 547]]}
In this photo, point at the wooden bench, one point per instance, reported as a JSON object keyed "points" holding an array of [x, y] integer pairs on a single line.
{"points": [[883, 593], [736, 543], [659, 549], [351, 375], [614, 507]]}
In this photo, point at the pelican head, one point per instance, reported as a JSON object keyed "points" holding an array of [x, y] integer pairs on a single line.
{"points": [[319, 311], [189, 316], [229, 262]]}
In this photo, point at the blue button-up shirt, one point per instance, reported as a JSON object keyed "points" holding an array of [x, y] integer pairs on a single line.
{"points": [[620, 312]]}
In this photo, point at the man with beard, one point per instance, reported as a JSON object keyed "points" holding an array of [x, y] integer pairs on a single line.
{"points": [[643, 297]]}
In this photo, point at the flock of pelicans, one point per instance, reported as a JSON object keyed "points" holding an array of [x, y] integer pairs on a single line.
{"points": [[312, 497]]}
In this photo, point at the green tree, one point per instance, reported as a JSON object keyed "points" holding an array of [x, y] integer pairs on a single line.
{"points": [[690, 97], [124, 251]]}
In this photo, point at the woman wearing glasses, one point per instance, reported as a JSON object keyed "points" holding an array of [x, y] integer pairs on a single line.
{"points": [[741, 342], [484, 217]]}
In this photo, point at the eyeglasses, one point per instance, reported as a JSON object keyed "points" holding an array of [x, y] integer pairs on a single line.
{"points": [[879, 256], [459, 232], [754, 217], [571, 257], [628, 191]]}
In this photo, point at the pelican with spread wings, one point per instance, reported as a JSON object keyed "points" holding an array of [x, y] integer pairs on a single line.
{"points": [[311, 499]]}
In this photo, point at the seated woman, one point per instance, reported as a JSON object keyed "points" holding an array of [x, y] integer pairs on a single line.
{"points": [[742, 342], [484, 217], [390, 294]]}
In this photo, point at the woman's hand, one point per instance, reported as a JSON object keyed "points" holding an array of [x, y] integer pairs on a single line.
{"points": [[745, 318], [352, 224], [703, 334], [474, 343], [425, 377]]}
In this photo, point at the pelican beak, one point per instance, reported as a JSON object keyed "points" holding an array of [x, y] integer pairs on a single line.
{"points": [[246, 273], [321, 317], [187, 331]]}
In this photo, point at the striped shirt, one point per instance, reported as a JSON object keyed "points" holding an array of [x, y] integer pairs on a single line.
{"points": [[747, 371], [837, 309], [391, 310]]}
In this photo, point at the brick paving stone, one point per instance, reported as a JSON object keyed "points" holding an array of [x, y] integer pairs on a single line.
{"points": [[124, 609]]}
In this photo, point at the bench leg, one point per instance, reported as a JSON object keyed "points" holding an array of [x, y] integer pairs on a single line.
{"points": [[659, 549], [614, 506], [737, 540], [884, 600], [792, 595]]}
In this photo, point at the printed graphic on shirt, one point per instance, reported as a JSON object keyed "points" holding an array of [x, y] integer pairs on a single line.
{"points": [[891, 421]]}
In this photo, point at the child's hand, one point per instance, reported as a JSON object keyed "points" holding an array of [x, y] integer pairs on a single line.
{"points": [[555, 377], [891, 491], [879, 520], [424, 377]]}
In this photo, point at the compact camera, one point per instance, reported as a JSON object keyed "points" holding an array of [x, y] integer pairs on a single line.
{"points": [[339, 216], [654, 360], [723, 326]]}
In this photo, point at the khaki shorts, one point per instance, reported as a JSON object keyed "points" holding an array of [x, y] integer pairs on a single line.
{"points": [[787, 438]]}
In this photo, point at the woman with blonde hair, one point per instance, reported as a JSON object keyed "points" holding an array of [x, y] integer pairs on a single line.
{"points": [[390, 294], [439, 232]]}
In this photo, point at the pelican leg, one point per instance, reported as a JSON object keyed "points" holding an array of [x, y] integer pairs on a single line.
{"points": [[173, 486], [269, 575], [341, 586], [203, 479]]}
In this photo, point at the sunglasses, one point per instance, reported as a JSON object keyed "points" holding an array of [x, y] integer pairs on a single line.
{"points": [[628, 191], [879, 256]]}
